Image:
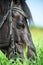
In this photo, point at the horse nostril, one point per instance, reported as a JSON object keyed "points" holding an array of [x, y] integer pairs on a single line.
{"points": [[17, 39], [23, 26]]}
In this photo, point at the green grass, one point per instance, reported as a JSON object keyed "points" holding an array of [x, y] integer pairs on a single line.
{"points": [[37, 36]]}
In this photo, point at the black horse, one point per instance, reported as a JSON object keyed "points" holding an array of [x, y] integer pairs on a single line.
{"points": [[14, 30]]}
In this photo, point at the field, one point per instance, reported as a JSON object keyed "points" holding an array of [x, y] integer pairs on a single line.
{"points": [[37, 36]]}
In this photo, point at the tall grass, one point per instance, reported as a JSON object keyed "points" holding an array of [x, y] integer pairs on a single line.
{"points": [[37, 36]]}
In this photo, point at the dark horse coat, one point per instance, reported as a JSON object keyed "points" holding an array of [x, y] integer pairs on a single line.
{"points": [[22, 36]]}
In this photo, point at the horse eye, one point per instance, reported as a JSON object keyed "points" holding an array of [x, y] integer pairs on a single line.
{"points": [[20, 26]]}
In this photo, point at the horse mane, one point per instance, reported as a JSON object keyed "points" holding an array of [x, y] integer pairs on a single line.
{"points": [[26, 9], [23, 5], [5, 2]]}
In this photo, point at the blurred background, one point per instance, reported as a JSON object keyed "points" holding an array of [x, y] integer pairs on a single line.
{"points": [[36, 8]]}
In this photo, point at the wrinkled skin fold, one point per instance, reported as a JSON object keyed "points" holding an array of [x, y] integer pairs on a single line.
{"points": [[22, 35]]}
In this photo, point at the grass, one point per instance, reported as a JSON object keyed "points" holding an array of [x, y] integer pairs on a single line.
{"points": [[37, 36]]}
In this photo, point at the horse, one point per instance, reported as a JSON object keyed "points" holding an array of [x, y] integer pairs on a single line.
{"points": [[15, 34]]}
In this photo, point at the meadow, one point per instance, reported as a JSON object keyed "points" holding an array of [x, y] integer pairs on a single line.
{"points": [[37, 37]]}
